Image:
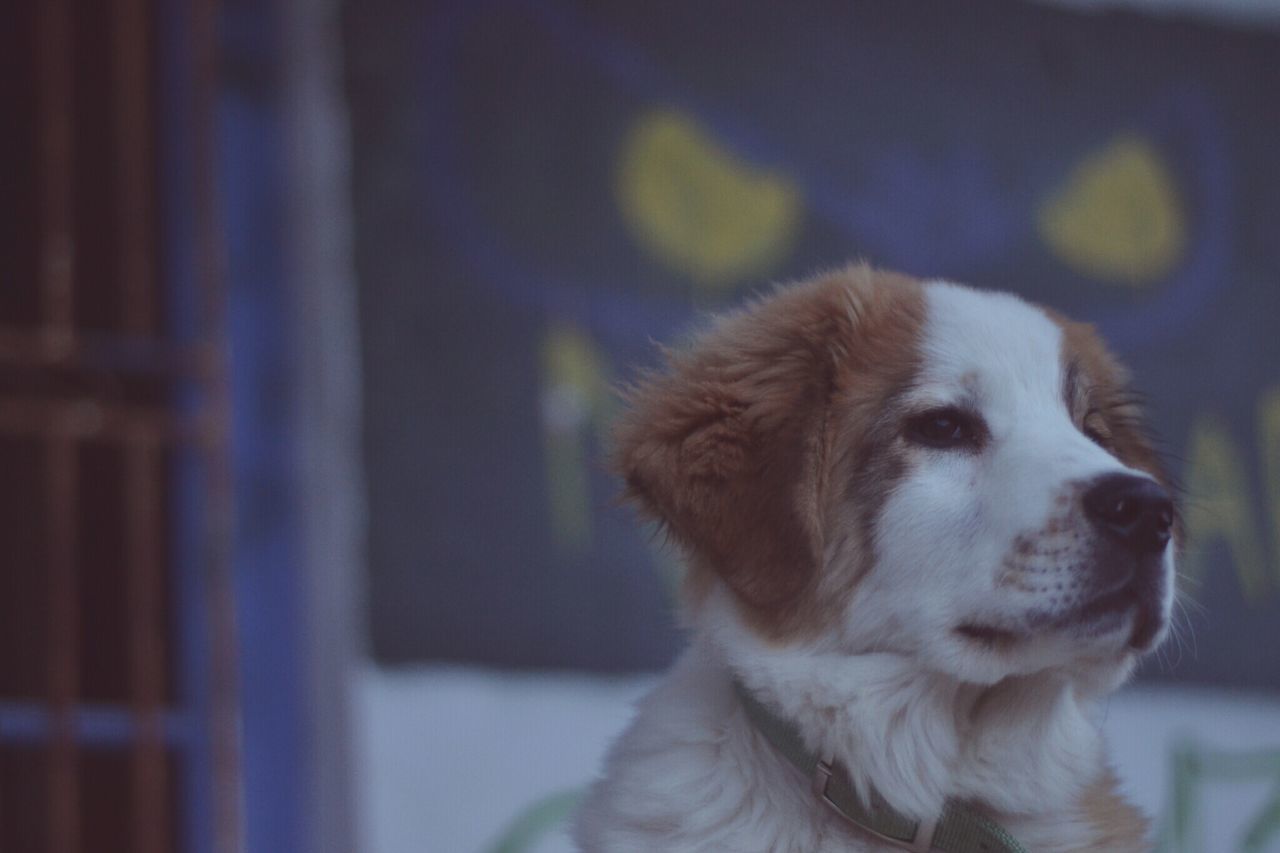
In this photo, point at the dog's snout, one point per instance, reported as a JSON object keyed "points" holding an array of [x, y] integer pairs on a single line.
{"points": [[1134, 511]]}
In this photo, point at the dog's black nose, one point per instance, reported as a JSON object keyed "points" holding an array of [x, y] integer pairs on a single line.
{"points": [[1134, 511]]}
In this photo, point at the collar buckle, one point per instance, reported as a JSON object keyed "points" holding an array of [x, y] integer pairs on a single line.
{"points": [[921, 840]]}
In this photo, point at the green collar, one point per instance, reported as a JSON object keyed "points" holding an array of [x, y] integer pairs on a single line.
{"points": [[958, 829]]}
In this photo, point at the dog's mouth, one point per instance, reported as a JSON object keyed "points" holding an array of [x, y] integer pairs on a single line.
{"points": [[1104, 614], [990, 636]]}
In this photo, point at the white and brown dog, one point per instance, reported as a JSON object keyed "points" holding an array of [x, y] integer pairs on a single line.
{"points": [[925, 534]]}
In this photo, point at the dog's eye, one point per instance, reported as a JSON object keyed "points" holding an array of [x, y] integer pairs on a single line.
{"points": [[944, 428]]}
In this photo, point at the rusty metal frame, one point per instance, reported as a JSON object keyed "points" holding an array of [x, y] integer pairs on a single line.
{"points": [[56, 271], [210, 278], [146, 436]]}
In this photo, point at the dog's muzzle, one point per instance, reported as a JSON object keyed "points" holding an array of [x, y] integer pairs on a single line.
{"points": [[1133, 517]]}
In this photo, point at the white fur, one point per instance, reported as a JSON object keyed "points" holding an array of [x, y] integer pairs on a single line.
{"points": [[947, 528], [902, 702]]}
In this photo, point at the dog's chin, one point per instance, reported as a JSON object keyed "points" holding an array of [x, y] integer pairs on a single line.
{"points": [[1107, 633], [1131, 617]]}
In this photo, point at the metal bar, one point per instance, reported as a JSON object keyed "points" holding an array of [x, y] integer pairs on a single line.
{"points": [[63, 643], [133, 188], [57, 250], [57, 267], [95, 351], [143, 472], [85, 419], [326, 376], [269, 607], [200, 790], [98, 725], [210, 260]]}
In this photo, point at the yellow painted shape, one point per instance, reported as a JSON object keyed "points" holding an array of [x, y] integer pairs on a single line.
{"points": [[1119, 217], [699, 209], [575, 402], [571, 359], [1219, 506], [1269, 447]]}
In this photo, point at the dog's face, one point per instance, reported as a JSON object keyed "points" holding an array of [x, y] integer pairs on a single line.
{"points": [[877, 464], [1028, 527]]}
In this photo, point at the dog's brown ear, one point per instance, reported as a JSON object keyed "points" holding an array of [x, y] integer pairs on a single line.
{"points": [[726, 447]]}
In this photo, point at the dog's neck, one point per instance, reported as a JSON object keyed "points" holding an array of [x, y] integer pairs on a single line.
{"points": [[1024, 746]]}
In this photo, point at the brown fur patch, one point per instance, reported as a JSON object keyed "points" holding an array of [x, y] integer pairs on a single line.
{"points": [[755, 435], [1118, 825], [1099, 398]]}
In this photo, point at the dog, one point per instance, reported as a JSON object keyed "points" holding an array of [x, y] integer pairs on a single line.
{"points": [[926, 532]]}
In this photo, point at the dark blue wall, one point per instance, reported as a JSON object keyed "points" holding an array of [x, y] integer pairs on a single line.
{"points": [[542, 188]]}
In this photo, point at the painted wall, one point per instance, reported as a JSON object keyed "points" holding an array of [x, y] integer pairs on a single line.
{"points": [[543, 188]]}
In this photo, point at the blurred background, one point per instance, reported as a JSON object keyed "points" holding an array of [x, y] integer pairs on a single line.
{"points": [[310, 314]]}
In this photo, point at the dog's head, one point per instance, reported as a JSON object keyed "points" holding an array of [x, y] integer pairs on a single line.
{"points": [[880, 464]]}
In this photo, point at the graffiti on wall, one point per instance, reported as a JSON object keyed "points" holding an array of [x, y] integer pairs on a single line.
{"points": [[601, 181]]}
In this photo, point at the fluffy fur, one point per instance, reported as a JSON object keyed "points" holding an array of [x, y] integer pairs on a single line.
{"points": [[928, 615]]}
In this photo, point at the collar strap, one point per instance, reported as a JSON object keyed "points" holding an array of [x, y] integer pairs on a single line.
{"points": [[958, 829]]}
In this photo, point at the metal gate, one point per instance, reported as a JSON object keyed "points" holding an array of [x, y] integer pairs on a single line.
{"points": [[117, 683]]}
